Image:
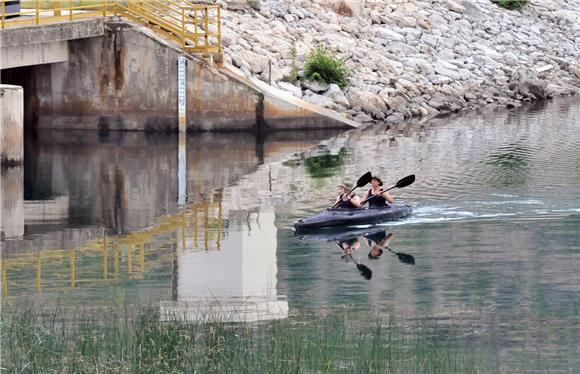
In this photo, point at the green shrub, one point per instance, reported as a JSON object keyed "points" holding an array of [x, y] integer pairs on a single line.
{"points": [[511, 4], [322, 66]]}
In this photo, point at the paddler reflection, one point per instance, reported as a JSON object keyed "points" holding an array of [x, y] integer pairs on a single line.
{"points": [[348, 247]]}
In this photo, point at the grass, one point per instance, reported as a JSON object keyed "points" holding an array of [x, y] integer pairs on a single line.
{"points": [[137, 341]]}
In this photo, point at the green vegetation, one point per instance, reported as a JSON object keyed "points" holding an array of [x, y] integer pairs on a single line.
{"points": [[326, 165], [322, 65], [293, 55], [138, 342], [511, 4]]}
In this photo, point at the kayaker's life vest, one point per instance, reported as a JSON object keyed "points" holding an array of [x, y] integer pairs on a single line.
{"points": [[346, 204], [376, 202]]}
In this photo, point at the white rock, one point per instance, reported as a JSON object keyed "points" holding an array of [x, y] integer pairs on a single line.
{"points": [[386, 33], [320, 100], [454, 7], [335, 93], [295, 91]]}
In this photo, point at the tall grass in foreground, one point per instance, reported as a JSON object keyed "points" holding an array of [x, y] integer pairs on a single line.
{"points": [[137, 342]]}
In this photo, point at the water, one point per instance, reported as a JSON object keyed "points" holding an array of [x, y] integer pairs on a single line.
{"points": [[495, 233]]}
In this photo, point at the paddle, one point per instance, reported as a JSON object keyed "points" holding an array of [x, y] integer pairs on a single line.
{"points": [[363, 270], [407, 181], [362, 181], [403, 257]]}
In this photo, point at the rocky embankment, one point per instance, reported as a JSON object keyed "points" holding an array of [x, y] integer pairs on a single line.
{"points": [[411, 58]]}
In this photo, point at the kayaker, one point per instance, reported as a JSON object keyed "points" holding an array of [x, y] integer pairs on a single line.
{"points": [[376, 196], [348, 246], [347, 200], [376, 241]]}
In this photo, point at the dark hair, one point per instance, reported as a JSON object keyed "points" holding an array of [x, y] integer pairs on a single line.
{"points": [[378, 180], [371, 257]]}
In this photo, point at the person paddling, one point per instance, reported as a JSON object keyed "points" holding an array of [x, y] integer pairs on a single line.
{"points": [[376, 196], [347, 200]]}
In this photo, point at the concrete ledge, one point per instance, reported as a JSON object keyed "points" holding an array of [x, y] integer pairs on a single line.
{"points": [[11, 125], [48, 33]]}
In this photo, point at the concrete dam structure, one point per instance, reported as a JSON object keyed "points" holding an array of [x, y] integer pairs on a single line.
{"points": [[110, 72]]}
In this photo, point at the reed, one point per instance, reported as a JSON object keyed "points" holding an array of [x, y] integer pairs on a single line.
{"points": [[138, 341]]}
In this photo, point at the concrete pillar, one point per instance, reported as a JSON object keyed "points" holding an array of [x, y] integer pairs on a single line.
{"points": [[12, 197], [11, 125]]}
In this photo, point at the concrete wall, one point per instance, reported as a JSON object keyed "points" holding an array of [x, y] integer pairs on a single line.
{"points": [[11, 125], [126, 79]]}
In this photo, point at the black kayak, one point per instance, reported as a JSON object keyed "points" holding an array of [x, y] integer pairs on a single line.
{"points": [[351, 217]]}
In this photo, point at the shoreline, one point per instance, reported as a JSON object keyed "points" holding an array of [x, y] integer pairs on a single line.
{"points": [[411, 59]]}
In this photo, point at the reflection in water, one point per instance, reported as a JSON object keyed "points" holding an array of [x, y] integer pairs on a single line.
{"points": [[235, 284], [495, 260], [325, 165], [376, 240]]}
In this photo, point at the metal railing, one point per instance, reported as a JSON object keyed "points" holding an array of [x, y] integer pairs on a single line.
{"points": [[196, 27]]}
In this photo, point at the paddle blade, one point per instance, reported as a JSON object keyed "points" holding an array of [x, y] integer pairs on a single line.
{"points": [[407, 181], [364, 180], [406, 259], [364, 271]]}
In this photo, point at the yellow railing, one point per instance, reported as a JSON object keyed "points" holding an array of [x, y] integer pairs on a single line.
{"points": [[196, 27]]}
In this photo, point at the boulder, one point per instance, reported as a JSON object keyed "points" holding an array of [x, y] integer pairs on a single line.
{"points": [[525, 81], [368, 102], [314, 86], [257, 63], [454, 7], [295, 91], [347, 8], [386, 33], [335, 93], [320, 100]]}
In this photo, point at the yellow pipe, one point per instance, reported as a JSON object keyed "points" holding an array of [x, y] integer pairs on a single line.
{"points": [[37, 3], [57, 7], [195, 226]]}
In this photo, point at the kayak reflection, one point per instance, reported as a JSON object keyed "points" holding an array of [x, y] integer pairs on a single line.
{"points": [[377, 239]]}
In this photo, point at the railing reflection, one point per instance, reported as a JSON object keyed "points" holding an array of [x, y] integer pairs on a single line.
{"points": [[199, 223]]}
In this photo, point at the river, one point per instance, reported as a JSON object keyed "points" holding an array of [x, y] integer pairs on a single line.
{"points": [[495, 229]]}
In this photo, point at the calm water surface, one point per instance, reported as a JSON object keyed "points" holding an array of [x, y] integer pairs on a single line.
{"points": [[495, 232]]}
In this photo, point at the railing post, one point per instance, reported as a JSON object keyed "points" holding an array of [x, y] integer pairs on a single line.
{"points": [[3, 11], [182, 28], [219, 26], [37, 4], [70, 10], [206, 30], [56, 8], [105, 8]]}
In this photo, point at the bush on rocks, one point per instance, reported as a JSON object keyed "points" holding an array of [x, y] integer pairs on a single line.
{"points": [[511, 4], [321, 65]]}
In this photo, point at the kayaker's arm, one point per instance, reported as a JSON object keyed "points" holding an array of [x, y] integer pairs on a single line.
{"points": [[388, 197], [355, 200]]}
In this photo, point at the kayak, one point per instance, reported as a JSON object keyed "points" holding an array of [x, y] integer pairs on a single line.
{"points": [[350, 217], [337, 234]]}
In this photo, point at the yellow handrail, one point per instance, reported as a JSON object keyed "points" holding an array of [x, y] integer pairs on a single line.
{"points": [[181, 21]]}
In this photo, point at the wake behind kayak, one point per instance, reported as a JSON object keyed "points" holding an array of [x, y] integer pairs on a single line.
{"points": [[350, 217]]}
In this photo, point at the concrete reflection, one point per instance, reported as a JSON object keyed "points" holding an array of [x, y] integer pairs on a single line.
{"points": [[236, 283], [12, 197]]}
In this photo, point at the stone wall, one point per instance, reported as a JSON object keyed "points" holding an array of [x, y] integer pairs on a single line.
{"points": [[412, 58]]}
